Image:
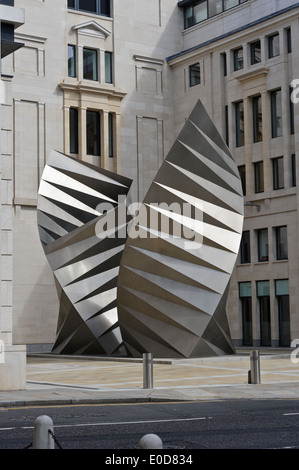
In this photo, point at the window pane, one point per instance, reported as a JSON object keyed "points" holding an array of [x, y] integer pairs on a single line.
{"points": [[245, 289], [245, 247], [276, 113], [200, 12], [282, 242], [259, 177], [278, 173], [230, 3], [93, 133], [71, 3], [257, 119], [194, 74], [263, 248], [239, 110], [273, 45], [188, 16], [293, 157], [255, 50], [71, 61], [238, 59], [265, 321], [247, 320], [242, 173], [215, 7], [90, 69], [108, 67], [73, 130], [105, 7], [88, 5], [284, 320], [111, 134]]}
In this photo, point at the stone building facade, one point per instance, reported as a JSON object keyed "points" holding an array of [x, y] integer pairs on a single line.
{"points": [[112, 82]]}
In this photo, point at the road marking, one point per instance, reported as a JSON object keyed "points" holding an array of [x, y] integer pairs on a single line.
{"points": [[290, 414]]}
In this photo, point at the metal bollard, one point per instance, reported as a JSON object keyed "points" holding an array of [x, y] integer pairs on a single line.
{"points": [[147, 370], [150, 441], [42, 439], [254, 375]]}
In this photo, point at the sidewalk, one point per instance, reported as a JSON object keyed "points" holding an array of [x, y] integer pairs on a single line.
{"points": [[53, 380]]}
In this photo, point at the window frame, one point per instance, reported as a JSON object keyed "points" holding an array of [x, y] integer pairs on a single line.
{"points": [[74, 58], [263, 245], [276, 118], [74, 130], [281, 246], [238, 61], [239, 120], [278, 175], [194, 74], [245, 247], [253, 47], [95, 71], [271, 46], [102, 8], [257, 119], [259, 177], [96, 141]]}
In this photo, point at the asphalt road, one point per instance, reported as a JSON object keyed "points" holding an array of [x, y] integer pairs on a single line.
{"points": [[251, 424]]}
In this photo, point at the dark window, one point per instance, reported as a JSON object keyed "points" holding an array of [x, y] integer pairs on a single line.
{"points": [[289, 40], [224, 64], [273, 44], [90, 64], [111, 134], [282, 295], [282, 242], [263, 247], [238, 59], [93, 140], [108, 67], [200, 10], [245, 247], [263, 293], [276, 113], [73, 130], [242, 173], [226, 124], [278, 173], [293, 163], [292, 121], [259, 177], [239, 115], [246, 302], [71, 61], [88, 5], [255, 52], [99, 7], [215, 7], [257, 119], [194, 74]]}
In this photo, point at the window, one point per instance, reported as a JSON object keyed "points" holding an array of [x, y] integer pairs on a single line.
{"points": [[194, 74], [71, 61], [263, 247], [255, 52], [273, 45], [278, 173], [293, 163], [245, 247], [108, 67], [201, 10], [257, 118], [276, 113], [282, 296], [246, 302], [263, 293], [73, 130], [259, 177], [99, 7], [289, 40], [291, 104], [238, 58], [281, 242], [242, 173], [90, 64], [111, 134], [93, 141], [239, 114], [215, 7], [224, 64], [226, 124]]}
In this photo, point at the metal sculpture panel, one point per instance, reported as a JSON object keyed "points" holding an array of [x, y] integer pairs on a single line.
{"points": [[181, 250]]}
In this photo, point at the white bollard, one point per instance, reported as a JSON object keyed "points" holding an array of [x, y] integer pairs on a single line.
{"points": [[42, 439], [150, 441]]}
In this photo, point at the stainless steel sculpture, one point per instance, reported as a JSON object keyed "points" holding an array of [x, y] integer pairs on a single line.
{"points": [[161, 288], [172, 290], [72, 196]]}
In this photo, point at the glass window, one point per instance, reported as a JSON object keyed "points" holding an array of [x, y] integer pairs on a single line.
{"points": [[242, 173], [99, 7], [257, 119], [200, 11], [194, 74], [255, 52], [88, 5], [282, 242], [245, 247], [224, 64], [282, 296], [239, 114], [90, 64], [276, 113], [71, 3], [111, 134], [73, 130], [230, 3], [278, 173], [273, 43], [289, 40], [93, 142], [293, 163], [246, 302], [238, 59], [259, 177], [291, 104], [108, 67], [263, 247], [71, 61], [263, 293], [215, 7], [226, 125]]}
